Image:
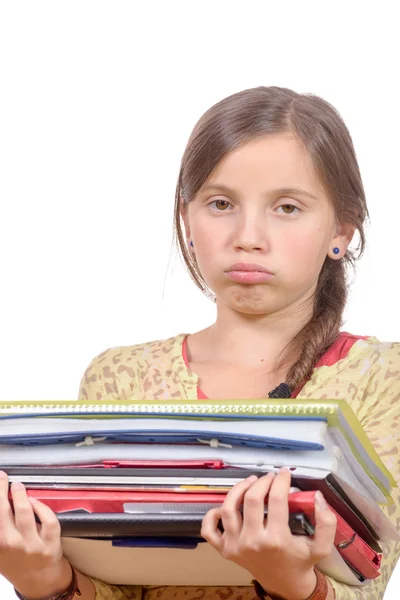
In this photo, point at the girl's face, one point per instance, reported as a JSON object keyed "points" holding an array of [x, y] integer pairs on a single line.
{"points": [[263, 205]]}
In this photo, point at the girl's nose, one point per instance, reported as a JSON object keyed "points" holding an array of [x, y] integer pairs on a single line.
{"points": [[251, 233]]}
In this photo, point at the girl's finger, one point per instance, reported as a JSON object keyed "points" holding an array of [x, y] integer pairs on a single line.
{"points": [[325, 527], [278, 505], [254, 505], [50, 529], [230, 514], [6, 514], [23, 514], [209, 527]]}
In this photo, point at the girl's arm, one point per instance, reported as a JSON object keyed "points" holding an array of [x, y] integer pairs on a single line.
{"points": [[379, 413]]}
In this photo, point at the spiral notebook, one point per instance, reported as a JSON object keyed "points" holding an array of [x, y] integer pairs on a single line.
{"points": [[306, 415]]}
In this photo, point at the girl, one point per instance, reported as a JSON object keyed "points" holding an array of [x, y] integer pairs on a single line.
{"points": [[269, 195]]}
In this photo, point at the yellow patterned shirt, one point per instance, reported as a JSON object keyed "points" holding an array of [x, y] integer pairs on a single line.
{"points": [[364, 372]]}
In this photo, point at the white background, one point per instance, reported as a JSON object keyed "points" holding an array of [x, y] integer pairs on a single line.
{"points": [[97, 102]]}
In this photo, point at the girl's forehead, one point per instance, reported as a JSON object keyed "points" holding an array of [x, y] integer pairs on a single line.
{"points": [[278, 160], [267, 152]]}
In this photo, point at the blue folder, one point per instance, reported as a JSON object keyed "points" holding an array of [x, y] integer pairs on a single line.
{"points": [[160, 437]]}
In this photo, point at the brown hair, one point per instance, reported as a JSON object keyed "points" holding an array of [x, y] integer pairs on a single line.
{"points": [[255, 113]]}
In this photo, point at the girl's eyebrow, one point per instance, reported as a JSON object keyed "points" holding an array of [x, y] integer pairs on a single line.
{"points": [[285, 190]]}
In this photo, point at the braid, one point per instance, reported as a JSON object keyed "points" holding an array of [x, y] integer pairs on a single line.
{"points": [[319, 333]]}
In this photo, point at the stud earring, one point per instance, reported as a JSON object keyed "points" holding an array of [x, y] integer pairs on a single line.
{"points": [[191, 243], [336, 250]]}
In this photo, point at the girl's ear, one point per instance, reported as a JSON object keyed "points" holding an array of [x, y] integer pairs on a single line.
{"points": [[185, 217], [341, 240]]}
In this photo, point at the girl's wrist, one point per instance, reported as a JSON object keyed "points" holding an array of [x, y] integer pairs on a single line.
{"points": [[300, 588], [47, 582]]}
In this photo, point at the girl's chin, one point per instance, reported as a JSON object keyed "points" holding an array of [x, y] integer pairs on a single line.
{"points": [[250, 306]]}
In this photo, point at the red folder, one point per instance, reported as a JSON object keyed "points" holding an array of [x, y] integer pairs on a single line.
{"points": [[351, 547], [166, 464], [154, 464], [113, 502]]}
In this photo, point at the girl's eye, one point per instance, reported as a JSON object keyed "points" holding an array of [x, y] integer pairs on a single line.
{"points": [[221, 205], [289, 209]]}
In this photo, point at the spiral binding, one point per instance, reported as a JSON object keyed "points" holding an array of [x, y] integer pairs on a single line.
{"points": [[305, 408]]}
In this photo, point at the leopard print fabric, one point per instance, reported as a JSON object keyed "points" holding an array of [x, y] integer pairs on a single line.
{"points": [[368, 378], [132, 592], [199, 593], [113, 592]]}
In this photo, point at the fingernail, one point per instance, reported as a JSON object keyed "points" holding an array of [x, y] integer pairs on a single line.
{"points": [[17, 485], [284, 470], [3, 475], [33, 500], [320, 500]]}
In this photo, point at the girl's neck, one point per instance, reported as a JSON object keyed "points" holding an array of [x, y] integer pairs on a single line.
{"points": [[246, 340]]}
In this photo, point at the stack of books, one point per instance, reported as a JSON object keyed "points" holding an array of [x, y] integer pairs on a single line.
{"points": [[130, 482]]}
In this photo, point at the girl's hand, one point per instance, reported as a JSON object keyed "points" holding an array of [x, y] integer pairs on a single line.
{"points": [[281, 562], [30, 554]]}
